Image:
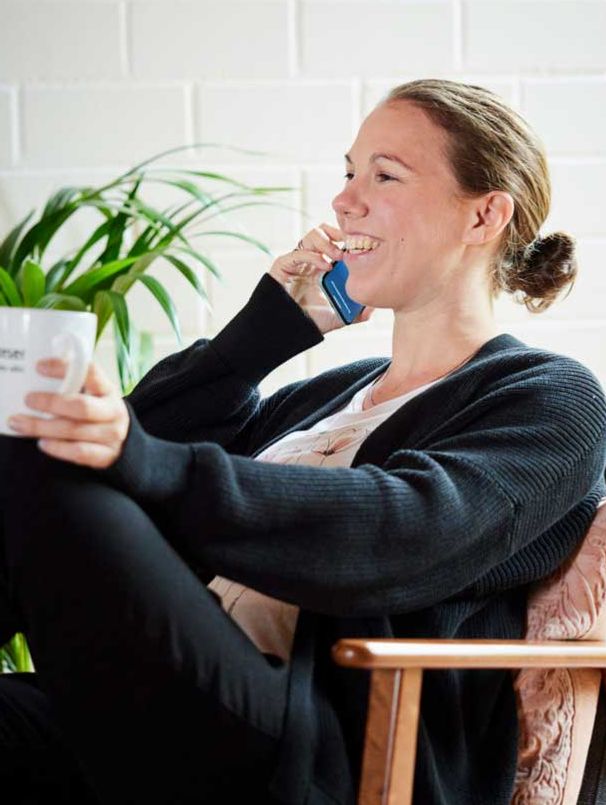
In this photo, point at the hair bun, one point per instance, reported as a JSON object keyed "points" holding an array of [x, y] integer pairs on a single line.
{"points": [[548, 264], [558, 247]]}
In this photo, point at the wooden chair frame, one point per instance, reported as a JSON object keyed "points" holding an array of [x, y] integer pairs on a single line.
{"points": [[395, 692]]}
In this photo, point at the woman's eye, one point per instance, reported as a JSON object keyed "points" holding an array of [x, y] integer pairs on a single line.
{"points": [[385, 176]]}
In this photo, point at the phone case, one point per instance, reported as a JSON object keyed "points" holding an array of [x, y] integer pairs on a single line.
{"points": [[333, 283]]}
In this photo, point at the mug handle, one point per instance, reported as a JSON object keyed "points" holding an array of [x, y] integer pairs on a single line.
{"points": [[71, 347]]}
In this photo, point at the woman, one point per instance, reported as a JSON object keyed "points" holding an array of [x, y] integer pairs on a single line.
{"points": [[182, 561]]}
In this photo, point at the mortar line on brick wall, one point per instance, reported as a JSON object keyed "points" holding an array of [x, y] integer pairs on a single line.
{"points": [[125, 43], [517, 94], [189, 122], [598, 158], [588, 78], [458, 34], [42, 172], [245, 83], [293, 23], [106, 84], [16, 103], [357, 107]]}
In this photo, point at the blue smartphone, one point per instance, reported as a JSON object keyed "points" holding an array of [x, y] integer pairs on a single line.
{"points": [[333, 283]]}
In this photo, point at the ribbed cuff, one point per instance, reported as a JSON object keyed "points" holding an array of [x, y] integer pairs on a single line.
{"points": [[148, 467]]}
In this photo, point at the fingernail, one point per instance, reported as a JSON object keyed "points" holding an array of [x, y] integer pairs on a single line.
{"points": [[16, 423]]}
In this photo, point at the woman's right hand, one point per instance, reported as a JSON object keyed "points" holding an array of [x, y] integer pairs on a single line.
{"points": [[300, 271]]}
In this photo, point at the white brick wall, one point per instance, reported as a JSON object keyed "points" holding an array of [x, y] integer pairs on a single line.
{"points": [[87, 87], [209, 39], [7, 138], [99, 125], [527, 35], [381, 38], [60, 41]]}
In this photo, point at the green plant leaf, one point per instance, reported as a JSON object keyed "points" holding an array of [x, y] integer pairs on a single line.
{"points": [[61, 301], [15, 656], [10, 241], [100, 232], [239, 235], [223, 210], [188, 187], [125, 366], [117, 228], [9, 289], [37, 237], [135, 205], [86, 284], [120, 311], [200, 258], [193, 147], [146, 352], [120, 284], [102, 308], [57, 274], [189, 274], [159, 291], [60, 199], [32, 281]]}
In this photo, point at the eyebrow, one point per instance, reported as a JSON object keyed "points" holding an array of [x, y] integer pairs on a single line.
{"points": [[391, 157]]}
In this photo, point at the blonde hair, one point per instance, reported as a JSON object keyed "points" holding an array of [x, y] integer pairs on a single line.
{"points": [[491, 147]]}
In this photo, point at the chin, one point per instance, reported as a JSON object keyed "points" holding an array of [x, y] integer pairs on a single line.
{"points": [[365, 292]]}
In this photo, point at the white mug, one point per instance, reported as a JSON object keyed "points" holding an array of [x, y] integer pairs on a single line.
{"points": [[28, 335]]}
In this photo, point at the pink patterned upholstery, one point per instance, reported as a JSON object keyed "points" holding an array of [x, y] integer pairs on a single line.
{"points": [[556, 708]]}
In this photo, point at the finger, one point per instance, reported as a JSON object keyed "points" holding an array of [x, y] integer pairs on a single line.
{"points": [[325, 244], [319, 241], [96, 456], [82, 407], [52, 367], [334, 232], [57, 428], [98, 383], [301, 258], [364, 315]]}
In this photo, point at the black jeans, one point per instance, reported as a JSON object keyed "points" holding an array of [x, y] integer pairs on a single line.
{"points": [[145, 690]]}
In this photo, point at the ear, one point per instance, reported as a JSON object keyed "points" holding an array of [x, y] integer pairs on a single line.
{"points": [[489, 215]]}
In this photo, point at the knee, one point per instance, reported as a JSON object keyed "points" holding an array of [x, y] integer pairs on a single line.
{"points": [[42, 496], [23, 464]]}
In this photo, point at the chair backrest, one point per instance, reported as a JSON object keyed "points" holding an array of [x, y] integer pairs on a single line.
{"points": [[556, 707]]}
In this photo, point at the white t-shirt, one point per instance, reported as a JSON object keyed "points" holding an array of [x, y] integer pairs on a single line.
{"points": [[332, 442]]}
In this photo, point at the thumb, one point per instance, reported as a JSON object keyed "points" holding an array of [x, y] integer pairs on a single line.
{"points": [[97, 382], [364, 315]]}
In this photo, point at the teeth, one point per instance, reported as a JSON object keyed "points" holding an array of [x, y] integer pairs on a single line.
{"points": [[360, 244]]}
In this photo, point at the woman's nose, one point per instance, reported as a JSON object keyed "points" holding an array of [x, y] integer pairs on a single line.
{"points": [[349, 202]]}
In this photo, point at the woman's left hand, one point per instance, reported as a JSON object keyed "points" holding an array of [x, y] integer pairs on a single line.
{"points": [[88, 428]]}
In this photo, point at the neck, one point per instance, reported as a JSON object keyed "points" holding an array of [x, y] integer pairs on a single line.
{"points": [[431, 341]]}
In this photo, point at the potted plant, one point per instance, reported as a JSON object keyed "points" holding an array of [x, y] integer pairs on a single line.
{"points": [[129, 235]]}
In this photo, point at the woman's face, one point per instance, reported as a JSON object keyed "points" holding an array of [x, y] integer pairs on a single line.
{"points": [[411, 208]]}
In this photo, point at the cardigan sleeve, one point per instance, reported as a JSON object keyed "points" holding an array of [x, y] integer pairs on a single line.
{"points": [[371, 540], [208, 392]]}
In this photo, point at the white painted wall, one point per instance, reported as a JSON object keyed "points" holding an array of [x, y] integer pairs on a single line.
{"points": [[87, 87]]}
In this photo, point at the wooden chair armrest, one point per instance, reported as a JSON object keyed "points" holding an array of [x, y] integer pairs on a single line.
{"points": [[395, 692], [430, 653]]}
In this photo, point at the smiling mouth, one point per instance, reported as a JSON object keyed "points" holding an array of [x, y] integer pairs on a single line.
{"points": [[356, 254]]}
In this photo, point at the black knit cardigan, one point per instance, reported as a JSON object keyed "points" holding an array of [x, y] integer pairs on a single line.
{"points": [[476, 487]]}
